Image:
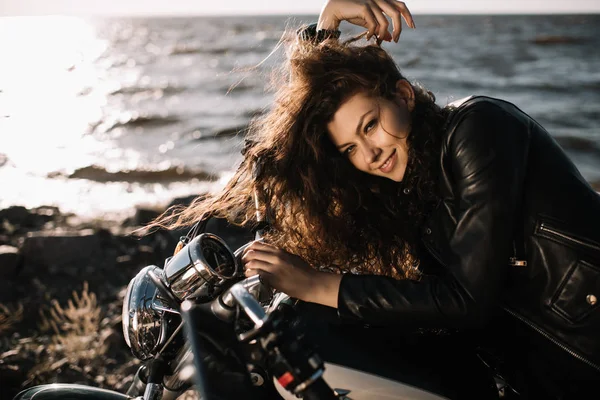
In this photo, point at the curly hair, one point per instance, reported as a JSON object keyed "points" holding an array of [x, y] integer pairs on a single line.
{"points": [[319, 205]]}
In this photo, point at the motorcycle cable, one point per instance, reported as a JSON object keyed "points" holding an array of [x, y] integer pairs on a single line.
{"points": [[296, 365]]}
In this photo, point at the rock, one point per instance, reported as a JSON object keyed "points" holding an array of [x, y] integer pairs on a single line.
{"points": [[55, 250], [17, 219], [9, 260], [141, 217], [184, 201], [15, 215]]}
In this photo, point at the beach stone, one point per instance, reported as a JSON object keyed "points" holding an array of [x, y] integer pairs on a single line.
{"points": [[61, 249], [142, 217], [18, 218], [16, 215], [185, 200], [9, 260]]}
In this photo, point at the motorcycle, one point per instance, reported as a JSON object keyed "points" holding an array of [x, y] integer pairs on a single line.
{"points": [[199, 323]]}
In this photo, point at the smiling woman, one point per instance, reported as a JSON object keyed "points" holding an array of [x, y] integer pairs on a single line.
{"points": [[399, 213]]}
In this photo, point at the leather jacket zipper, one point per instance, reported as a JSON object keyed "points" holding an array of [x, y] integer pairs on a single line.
{"points": [[554, 341], [560, 234], [528, 323], [514, 261]]}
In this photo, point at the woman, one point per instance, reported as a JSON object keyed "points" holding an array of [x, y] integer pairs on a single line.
{"points": [[395, 211]]}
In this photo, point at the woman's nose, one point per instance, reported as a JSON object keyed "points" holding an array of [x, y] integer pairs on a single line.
{"points": [[371, 153]]}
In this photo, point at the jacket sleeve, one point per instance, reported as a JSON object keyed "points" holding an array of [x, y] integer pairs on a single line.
{"points": [[485, 162]]}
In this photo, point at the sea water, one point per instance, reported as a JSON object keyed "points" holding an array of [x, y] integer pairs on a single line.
{"points": [[100, 115]]}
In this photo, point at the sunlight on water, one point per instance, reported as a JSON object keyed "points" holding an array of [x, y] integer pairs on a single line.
{"points": [[52, 93], [48, 65], [100, 115]]}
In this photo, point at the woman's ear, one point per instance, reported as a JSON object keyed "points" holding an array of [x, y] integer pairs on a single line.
{"points": [[405, 93]]}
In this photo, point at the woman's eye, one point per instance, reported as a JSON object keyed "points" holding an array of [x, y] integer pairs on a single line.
{"points": [[370, 125], [349, 150]]}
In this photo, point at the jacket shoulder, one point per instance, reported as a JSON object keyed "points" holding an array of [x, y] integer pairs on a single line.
{"points": [[480, 104], [487, 113]]}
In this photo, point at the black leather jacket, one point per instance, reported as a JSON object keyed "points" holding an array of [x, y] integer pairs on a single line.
{"points": [[510, 195]]}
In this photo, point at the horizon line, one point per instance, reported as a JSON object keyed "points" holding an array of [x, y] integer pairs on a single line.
{"points": [[295, 14], [298, 14]]}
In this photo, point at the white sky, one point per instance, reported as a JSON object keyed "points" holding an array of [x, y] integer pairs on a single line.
{"points": [[286, 7]]}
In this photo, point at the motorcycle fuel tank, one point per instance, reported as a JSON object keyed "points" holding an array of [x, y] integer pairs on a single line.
{"points": [[359, 385]]}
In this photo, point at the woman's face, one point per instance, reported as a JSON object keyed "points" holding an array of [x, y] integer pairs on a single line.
{"points": [[371, 132]]}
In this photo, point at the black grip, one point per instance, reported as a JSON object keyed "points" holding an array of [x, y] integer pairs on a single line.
{"points": [[319, 390], [310, 33]]}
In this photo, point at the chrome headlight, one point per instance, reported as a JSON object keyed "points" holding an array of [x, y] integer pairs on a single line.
{"points": [[197, 270], [144, 325]]}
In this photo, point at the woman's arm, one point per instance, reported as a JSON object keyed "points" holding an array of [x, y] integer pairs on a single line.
{"points": [[370, 14], [291, 274]]}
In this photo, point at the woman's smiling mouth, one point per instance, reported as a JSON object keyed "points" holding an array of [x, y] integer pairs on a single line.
{"points": [[389, 164]]}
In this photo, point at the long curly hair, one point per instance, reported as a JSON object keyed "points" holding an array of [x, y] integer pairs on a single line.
{"points": [[319, 205]]}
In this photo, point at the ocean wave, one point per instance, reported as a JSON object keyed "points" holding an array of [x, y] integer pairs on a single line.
{"points": [[545, 40], [182, 49], [185, 49], [240, 87], [132, 90], [203, 134], [172, 174], [579, 144], [254, 113], [142, 121]]}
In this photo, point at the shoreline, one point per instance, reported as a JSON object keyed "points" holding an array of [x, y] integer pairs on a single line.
{"points": [[63, 279]]}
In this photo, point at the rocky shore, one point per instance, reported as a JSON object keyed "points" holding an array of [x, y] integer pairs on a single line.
{"points": [[62, 281]]}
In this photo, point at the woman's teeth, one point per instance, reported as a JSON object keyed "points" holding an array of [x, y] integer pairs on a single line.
{"points": [[388, 164]]}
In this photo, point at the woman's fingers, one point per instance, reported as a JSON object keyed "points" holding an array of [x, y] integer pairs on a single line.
{"points": [[261, 255], [265, 277], [372, 23], [366, 18], [400, 5], [261, 245], [391, 11], [370, 14], [382, 22], [260, 265]]}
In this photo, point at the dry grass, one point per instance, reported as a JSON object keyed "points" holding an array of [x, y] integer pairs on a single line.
{"points": [[10, 316], [80, 319], [77, 336]]}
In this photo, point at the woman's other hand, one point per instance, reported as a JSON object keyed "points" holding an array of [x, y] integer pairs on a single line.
{"points": [[291, 274], [370, 14]]}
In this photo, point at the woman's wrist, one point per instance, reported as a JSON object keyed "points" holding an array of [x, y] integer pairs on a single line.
{"points": [[328, 24], [327, 20], [325, 289]]}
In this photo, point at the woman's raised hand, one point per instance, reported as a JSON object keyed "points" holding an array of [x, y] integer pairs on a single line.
{"points": [[370, 14]]}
